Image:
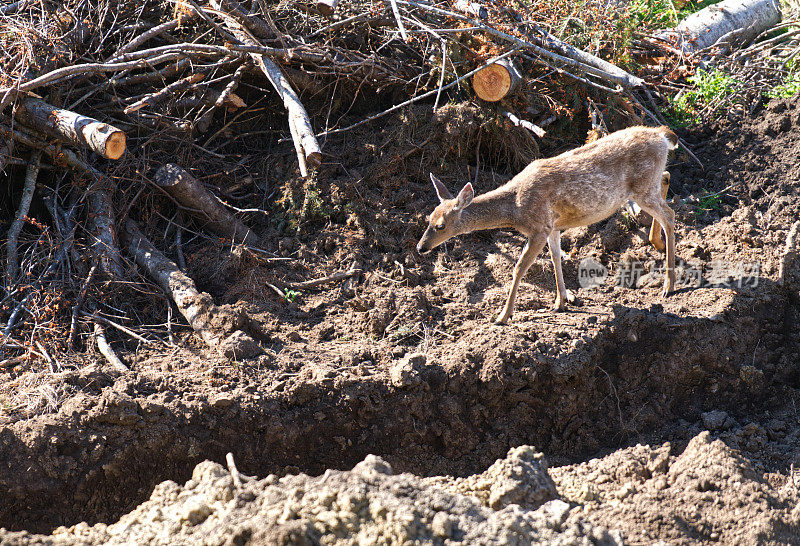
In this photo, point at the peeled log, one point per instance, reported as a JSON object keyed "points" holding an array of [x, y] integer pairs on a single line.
{"points": [[191, 194], [496, 81], [219, 326], [703, 29], [101, 138]]}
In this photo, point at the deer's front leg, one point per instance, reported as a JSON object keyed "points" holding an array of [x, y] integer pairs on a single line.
{"points": [[532, 249]]}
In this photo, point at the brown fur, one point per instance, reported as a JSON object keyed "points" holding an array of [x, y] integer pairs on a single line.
{"points": [[577, 188]]}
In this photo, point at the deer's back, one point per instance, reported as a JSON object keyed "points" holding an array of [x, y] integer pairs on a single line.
{"points": [[592, 182]]}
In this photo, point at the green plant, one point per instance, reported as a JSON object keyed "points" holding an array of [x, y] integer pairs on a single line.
{"points": [[790, 84], [709, 92], [290, 295], [708, 202]]}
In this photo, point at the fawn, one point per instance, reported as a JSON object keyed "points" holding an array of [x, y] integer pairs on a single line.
{"points": [[577, 188]]}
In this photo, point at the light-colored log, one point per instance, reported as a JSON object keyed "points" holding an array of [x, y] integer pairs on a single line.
{"points": [[202, 204], [101, 138], [219, 326], [471, 8], [704, 28], [496, 81]]}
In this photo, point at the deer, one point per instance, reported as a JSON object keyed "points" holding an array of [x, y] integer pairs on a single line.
{"points": [[577, 188]]}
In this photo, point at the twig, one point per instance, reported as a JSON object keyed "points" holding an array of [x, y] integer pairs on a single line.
{"points": [[142, 38], [237, 480], [162, 95], [399, 20], [119, 327], [73, 327], [441, 76], [106, 350], [12, 262], [532, 127]]}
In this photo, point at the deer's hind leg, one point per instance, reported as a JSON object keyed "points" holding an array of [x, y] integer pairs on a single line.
{"points": [[656, 237], [656, 206], [532, 249], [564, 296]]}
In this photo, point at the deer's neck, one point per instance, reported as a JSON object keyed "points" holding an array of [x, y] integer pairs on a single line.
{"points": [[495, 209]]}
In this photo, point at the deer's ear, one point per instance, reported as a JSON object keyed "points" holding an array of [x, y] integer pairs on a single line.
{"points": [[441, 190], [465, 196]]}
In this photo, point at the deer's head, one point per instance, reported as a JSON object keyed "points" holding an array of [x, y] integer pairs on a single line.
{"points": [[445, 218]]}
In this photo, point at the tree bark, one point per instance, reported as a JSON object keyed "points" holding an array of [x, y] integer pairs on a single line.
{"points": [[101, 138], [191, 194], [496, 81], [102, 226], [704, 28], [219, 326]]}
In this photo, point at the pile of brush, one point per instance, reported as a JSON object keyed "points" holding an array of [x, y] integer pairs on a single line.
{"points": [[104, 105]]}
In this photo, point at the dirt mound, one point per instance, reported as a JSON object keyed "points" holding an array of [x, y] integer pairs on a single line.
{"points": [[368, 505], [403, 362], [709, 492]]}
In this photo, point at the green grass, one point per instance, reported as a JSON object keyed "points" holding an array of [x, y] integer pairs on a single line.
{"points": [[708, 202], [708, 88]]}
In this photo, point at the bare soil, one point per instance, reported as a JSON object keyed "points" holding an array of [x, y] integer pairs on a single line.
{"points": [[403, 362]]}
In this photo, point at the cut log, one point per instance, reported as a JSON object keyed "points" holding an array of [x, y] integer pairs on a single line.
{"points": [[219, 326], [327, 7], [496, 81], [187, 191], [704, 28], [101, 138]]}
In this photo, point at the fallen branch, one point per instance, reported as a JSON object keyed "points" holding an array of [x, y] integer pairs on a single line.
{"points": [[532, 127], [147, 35], [106, 350], [304, 133], [70, 127], [12, 262], [569, 55], [166, 93], [188, 192], [67, 72], [101, 226], [219, 326]]}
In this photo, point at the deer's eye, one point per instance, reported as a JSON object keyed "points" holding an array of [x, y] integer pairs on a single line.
{"points": [[438, 227]]}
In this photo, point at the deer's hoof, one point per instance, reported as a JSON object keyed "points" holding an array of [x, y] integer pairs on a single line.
{"points": [[571, 297]]}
